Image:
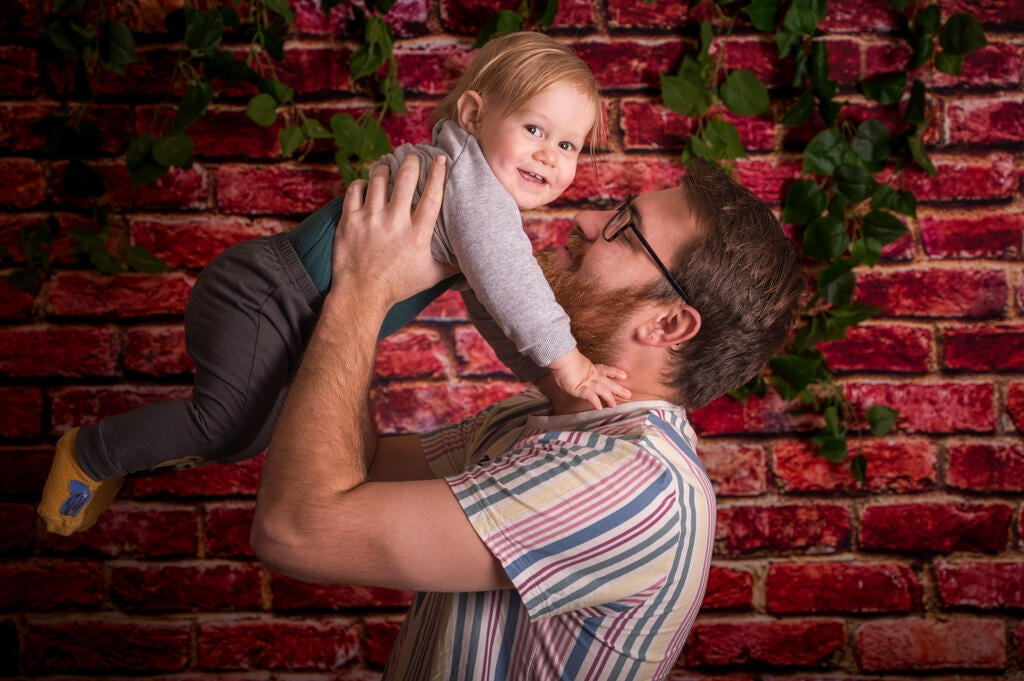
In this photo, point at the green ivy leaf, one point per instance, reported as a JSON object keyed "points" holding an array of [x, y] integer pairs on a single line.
{"points": [[866, 251], [822, 86], [348, 136], [962, 35], [193, 104], [547, 12], [883, 226], [290, 139], [743, 93], [175, 150], [824, 152], [724, 139], [142, 168], [898, 5], [920, 156], [801, 110], [951, 64], [854, 182], [788, 41], [837, 281], [82, 180], [503, 21], [262, 109], [117, 46], [281, 93], [281, 8], [25, 279], [687, 92], [376, 142], [871, 143], [825, 238], [762, 13], [203, 30], [859, 468], [142, 260], [831, 447], [843, 316], [224, 65], [315, 129], [805, 201], [364, 62], [915, 114], [885, 88], [928, 21], [881, 419], [798, 371], [804, 16]]}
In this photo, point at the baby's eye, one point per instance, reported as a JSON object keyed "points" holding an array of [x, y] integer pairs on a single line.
{"points": [[533, 129], [567, 146]]}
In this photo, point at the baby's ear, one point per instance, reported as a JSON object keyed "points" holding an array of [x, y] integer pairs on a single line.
{"points": [[469, 109]]}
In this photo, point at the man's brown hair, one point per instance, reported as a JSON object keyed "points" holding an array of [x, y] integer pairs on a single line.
{"points": [[742, 274]]}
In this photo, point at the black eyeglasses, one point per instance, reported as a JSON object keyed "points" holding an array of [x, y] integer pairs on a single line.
{"points": [[626, 218]]}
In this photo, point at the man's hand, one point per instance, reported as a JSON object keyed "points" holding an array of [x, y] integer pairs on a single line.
{"points": [[387, 242]]}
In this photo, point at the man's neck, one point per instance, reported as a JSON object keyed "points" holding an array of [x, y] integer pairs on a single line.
{"points": [[563, 403]]}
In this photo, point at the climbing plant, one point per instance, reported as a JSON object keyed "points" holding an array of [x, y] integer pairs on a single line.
{"points": [[852, 193]]}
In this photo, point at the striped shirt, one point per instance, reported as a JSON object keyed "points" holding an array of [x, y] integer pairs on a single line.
{"points": [[604, 522]]}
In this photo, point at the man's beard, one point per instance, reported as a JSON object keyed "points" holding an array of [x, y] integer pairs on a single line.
{"points": [[597, 316]]}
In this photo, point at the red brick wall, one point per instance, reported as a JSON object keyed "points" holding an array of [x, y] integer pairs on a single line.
{"points": [[918, 571]]}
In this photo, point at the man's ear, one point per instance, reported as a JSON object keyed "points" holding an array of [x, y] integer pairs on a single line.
{"points": [[668, 325], [468, 110]]}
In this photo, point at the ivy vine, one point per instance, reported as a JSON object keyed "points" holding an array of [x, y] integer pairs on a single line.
{"points": [[842, 213], [844, 216]]}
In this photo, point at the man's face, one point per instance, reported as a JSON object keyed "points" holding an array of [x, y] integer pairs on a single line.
{"points": [[601, 284]]}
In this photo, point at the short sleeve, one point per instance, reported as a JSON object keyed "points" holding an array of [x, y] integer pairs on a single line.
{"points": [[587, 521]]}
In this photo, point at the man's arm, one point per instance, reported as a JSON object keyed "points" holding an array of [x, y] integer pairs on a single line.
{"points": [[318, 517]]}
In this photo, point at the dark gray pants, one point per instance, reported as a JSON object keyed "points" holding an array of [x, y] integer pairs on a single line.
{"points": [[247, 323]]}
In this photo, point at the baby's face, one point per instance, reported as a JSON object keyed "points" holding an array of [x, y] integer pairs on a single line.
{"points": [[533, 150]]}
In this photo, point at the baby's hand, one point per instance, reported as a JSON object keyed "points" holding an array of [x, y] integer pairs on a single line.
{"points": [[596, 383]]}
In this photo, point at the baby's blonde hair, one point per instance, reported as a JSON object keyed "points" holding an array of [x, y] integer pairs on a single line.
{"points": [[518, 66]]}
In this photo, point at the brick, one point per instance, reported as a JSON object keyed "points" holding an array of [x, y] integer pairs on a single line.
{"points": [[213, 480], [381, 634], [227, 530], [625, 14], [987, 466], [768, 178], [841, 588], [412, 353], [856, 112], [280, 189], [135, 530], [406, 18], [935, 527], [150, 76], [932, 292], [760, 54], [1018, 637], [10, 645], [612, 179], [447, 307], [892, 466], [735, 469], [291, 594], [984, 348], [151, 588], [22, 18], [192, 242], [156, 351], [432, 67], [728, 589], [177, 190], [1015, 404], [768, 414], [881, 347], [37, 587], [46, 350], [966, 178], [986, 120], [412, 128], [418, 407], [932, 407], [144, 16], [312, 69], [917, 645], [810, 528], [21, 412], [972, 234], [994, 12], [630, 63], [15, 304], [1000, 64], [474, 356], [762, 642], [124, 296], [19, 76], [25, 470], [11, 225], [275, 644], [467, 16], [85, 405], [225, 131], [24, 183], [19, 523], [870, 15], [980, 584], [547, 232], [111, 644]]}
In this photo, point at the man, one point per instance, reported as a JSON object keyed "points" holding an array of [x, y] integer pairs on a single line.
{"points": [[548, 540]]}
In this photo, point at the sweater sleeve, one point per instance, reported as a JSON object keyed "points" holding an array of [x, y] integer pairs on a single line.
{"points": [[481, 230]]}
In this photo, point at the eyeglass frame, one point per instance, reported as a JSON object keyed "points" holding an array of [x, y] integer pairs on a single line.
{"points": [[627, 205]]}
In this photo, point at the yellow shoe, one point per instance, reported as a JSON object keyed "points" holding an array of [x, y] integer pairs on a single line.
{"points": [[72, 501]]}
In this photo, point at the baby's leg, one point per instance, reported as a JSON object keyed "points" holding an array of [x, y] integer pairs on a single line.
{"points": [[248, 320]]}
